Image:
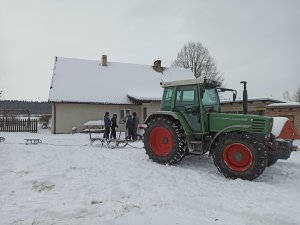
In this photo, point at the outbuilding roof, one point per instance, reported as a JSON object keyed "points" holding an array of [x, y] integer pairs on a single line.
{"points": [[87, 81], [284, 105], [253, 100]]}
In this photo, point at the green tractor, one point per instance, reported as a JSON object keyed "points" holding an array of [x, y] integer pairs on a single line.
{"points": [[190, 122]]}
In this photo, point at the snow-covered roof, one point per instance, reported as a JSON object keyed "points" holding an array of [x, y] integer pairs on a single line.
{"points": [[286, 104], [87, 81], [254, 100], [143, 98]]}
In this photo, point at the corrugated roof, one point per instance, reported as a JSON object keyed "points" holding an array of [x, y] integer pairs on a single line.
{"points": [[86, 81]]}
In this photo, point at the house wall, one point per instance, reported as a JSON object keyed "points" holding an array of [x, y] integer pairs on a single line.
{"points": [[151, 107], [67, 116]]}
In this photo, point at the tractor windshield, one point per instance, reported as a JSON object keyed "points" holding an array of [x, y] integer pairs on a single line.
{"points": [[211, 100]]}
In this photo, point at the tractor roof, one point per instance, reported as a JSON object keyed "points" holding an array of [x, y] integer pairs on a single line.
{"points": [[189, 82]]}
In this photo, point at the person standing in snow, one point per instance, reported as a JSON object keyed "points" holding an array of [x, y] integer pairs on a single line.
{"points": [[107, 125], [136, 123], [130, 127], [113, 134]]}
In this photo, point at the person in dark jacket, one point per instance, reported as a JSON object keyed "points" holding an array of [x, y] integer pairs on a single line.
{"points": [[136, 123], [107, 125], [113, 134], [130, 128]]}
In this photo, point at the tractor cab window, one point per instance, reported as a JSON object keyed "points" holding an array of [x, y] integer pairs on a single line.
{"points": [[186, 96], [211, 99], [167, 98]]}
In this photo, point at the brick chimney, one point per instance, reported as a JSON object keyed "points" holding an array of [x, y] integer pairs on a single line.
{"points": [[157, 66], [104, 60]]}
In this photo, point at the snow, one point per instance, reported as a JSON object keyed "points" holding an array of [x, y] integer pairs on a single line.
{"points": [[87, 81], [287, 104], [141, 97], [278, 123], [94, 123], [65, 180]]}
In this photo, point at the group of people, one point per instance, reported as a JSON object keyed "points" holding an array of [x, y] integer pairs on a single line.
{"points": [[110, 126]]}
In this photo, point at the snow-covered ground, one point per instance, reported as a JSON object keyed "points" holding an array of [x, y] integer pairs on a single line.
{"points": [[65, 180]]}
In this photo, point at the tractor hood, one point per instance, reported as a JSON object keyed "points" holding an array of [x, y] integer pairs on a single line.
{"points": [[259, 125]]}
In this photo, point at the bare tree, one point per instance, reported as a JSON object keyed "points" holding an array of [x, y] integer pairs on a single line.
{"points": [[296, 96], [197, 58], [286, 96]]}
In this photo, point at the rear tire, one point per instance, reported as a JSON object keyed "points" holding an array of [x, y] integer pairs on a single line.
{"points": [[240, 155], [164, 141]]}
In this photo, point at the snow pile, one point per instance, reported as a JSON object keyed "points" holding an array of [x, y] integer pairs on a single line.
{"points": [[278, 123], [65, 180], [94, 123]]}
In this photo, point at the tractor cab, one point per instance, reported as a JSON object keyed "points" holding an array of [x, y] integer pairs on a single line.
{"points": [[193, 100]]}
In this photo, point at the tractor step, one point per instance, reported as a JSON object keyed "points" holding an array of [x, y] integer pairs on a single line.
{"points": [[196, 148], [196, 142], [196, 153]]}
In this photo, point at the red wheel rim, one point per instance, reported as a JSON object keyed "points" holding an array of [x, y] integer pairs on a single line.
{"points": [[237, 157], [160, 140]]}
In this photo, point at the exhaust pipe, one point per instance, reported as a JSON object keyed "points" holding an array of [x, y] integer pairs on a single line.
{"points": [[245, 97]]}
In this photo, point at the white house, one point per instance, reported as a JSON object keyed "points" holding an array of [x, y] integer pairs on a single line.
{"points": [[83, 90]]}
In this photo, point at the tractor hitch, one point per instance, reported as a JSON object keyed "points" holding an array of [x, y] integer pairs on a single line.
{"points": [[282, 149]]}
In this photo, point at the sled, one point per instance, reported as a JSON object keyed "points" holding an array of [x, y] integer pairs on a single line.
{"points": [[109, 142], [33, 141]]}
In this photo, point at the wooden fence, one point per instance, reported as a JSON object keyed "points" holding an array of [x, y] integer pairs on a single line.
{"points": [[18, 125]]}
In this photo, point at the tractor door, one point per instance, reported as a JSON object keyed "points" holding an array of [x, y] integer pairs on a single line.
{"points": [[210, 103], [187, 103]]}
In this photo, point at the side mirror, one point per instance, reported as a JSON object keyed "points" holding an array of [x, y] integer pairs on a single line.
{"points": [[234, 96]]}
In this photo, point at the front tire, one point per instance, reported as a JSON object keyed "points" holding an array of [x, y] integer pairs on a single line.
{"points": [[240, 155], [164, 141]]}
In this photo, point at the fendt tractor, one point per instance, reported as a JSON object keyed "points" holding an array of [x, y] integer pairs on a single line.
{"points": [[190, 122]]}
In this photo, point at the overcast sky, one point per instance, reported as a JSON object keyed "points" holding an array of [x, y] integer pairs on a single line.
{"points": [[253, 40]]}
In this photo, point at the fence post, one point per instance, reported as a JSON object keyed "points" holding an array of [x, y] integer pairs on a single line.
{"points": [[35, 126]]}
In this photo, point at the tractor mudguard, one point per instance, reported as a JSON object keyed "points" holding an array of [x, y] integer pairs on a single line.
{"points": [[240, 127], [177, 116], [160, 113]]}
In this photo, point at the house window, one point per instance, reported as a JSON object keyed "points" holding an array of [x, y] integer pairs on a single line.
{"points": [[124, 113], [260, 112]]}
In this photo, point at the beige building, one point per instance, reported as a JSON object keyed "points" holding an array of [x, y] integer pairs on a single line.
{"points": [[83, 90]]}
